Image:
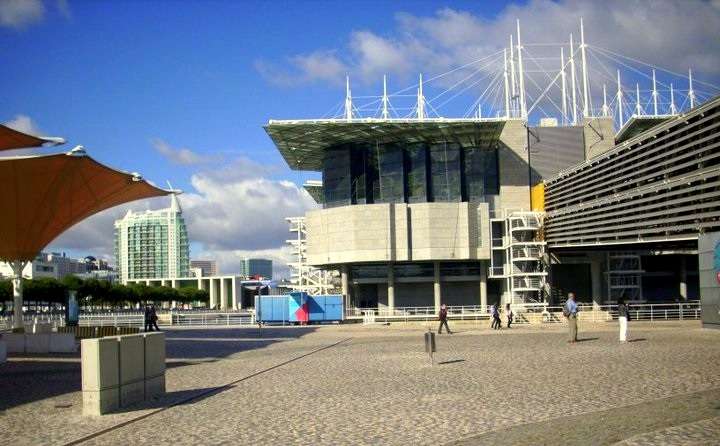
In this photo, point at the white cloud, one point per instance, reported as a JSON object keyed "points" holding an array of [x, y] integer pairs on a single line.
{"points": [[25, 124], [182, 156], [21, 13], [302, 68], [64, 9], [672, 34]]}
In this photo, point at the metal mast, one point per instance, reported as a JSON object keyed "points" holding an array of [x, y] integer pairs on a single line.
{"points": [[655, 96], [420, 101], [619, 100], [605, 106], [523, 110], [638, 109], [673, 109], [385, 114], [507, 90], [513, 96], [572, 82], [584, 70], [348, 100], [562, 78], [691, 92]]}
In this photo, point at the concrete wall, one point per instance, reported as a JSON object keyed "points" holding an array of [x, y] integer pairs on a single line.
{"points": [[398, 232], [514, 169], [709, 266], [599, 136]]}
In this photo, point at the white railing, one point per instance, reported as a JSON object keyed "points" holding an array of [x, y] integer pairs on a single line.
{"points": [[535, 312], [203, 318]]}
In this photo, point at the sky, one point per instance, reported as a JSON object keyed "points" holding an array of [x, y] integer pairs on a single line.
{"points": [[180, 90]]}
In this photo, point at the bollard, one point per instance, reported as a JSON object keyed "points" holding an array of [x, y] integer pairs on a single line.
{"points": [[430, 346]]}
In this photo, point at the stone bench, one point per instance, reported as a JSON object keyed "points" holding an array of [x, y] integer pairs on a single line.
{"points": [[119, 371], [39, 342]]}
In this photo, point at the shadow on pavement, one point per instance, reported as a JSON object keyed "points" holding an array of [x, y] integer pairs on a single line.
{"points": [[451, 361], [637, 340], [587, 339]]}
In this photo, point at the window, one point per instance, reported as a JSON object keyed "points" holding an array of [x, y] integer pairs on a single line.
{"points": [[445, 172], [336, 176], [387, 184], [481, 173], [416, 167]]}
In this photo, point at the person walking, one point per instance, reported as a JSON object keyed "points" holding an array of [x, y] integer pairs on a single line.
{"points": [[496, 324], [153, 319], [148, 325], [443, 319], [510, 315], [623, 319], [570, 312]]}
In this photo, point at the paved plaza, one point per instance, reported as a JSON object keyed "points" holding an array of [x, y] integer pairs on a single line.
{"points": [[375, 385]]}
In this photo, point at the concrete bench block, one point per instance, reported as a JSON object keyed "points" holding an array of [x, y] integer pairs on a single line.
{"points": [[100, 402], [132, 393], [62, 343], [100, 364], [15, 342], [154, 387], [3, 352], [41, 327], [154, 354], [37, 343], [132, 358]]}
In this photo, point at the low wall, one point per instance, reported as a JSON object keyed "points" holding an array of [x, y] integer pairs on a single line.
{"points": [[39, 342], [119, 371]]}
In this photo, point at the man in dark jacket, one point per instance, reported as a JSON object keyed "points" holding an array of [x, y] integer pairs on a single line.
{"points": [[443, 319]]}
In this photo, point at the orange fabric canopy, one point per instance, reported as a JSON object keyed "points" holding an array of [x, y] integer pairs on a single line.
{"points": [[42, 196], [12, 139]]}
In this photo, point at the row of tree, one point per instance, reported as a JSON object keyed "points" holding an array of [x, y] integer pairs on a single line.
{"points": [[100, 292]]}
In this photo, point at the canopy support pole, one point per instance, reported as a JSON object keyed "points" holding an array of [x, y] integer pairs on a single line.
{"points": [[17, 267]]}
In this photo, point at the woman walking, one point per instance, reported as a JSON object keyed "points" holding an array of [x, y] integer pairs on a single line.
{"points": [[510, 315], [623, 319]]}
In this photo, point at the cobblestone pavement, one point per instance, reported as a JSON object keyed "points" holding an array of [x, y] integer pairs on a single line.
{"points": [[378, 387]]}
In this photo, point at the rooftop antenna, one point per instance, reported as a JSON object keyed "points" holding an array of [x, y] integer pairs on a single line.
{"points": [[523, 110], [619, 100], [638, 109], [385, 114], [655, 96], [479, 111], [584, 70], [513, 95], [507, 90], [673, 109], [348, 100], [572, 82], [562, 77], [420, 101], [691, 92], [605, 106]]}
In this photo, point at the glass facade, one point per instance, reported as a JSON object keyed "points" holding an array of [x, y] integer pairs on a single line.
{"points": [[412, 173]]}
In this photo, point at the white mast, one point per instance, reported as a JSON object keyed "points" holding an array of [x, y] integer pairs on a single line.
{"points": [[507, 90], [673, 110], [523, 111], [572, 82], [655, 96], [562, 77], [586, 104], [513, 96], [619, 100], [638, 109], [385, 114], [691, 92], [420, 101], [605, 106], [348, 100]]}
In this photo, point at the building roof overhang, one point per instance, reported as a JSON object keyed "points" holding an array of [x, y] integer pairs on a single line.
{"points": [[302, 142], [639, 124]]}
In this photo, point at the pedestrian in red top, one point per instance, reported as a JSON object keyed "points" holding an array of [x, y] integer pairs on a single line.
{"points": [[443, 319]]}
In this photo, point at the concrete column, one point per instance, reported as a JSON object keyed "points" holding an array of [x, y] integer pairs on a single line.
{"points": [[17, 267], [596, 279], [213, 296], [223, 295], [437, 290], [233, 290], [391, 287], [683, 277], [344, 273], [483, 285]]}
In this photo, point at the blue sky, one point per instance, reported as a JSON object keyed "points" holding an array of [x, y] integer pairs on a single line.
{"points": [[180, 90]]}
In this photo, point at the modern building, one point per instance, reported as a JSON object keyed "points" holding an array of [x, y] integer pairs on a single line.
{"points": [[206, 267], [256, 268], [419, 211], [54, 265], [152, 244]]}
